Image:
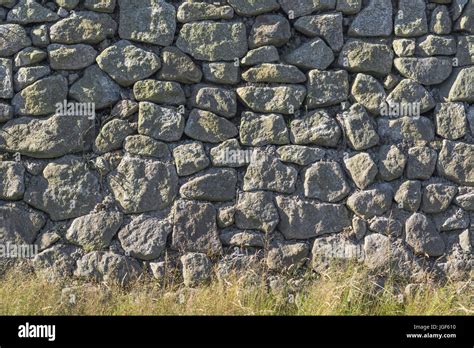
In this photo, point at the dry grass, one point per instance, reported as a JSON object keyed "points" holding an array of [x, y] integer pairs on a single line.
{"points": [[350, 291]]}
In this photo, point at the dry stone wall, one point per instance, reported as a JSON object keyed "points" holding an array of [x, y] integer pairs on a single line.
{"points": [[138, 134]]}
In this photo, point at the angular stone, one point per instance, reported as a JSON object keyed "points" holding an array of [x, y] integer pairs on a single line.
{"points": [[368, 92], [298, 8], [370, 203], [149, 21], [141, 185], [6, 79], [145, 236], [408, 195], [268, 173], [124, 109], [433, 45], [284, 99], [362, 169], [253, 8], [327, 26], [225, 73], [29, 11], [366, 57], [29, 56], [326, 181], [303, 219], [287, 256], [437, 197], [112, 136], [403, 129], [177, 66], [194, 227], [410, 19], [221, 101], [106, 6], [462, 89], [314, 54], [391, 163], [19, 223], [427, 71], [142, 145], [71, 57], [326, 88], [301, 155], [160, 123], [465, 50], [83, 27], [198, 11], [190, 158], [197, 269], [406, 96], [265, 54], [13, 38], [41, 97], [317, 128], [260, 130], [422, 236], [455, 162], [26, 76], [94, 231], [441, 23], [373, 20], [127, 64], [465, 22], [274, 73], [39, 36], [160, 92], [215, 185], [229, 154], [421, 162], [66, 189], [452, 219], [225, 216], [256, 210], [95, 87], [451, 120], [12, 185], [359, 128], [213, 41], [404, 47], [208, 127], [50, 137]]}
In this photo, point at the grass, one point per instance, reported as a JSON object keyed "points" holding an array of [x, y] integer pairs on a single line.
{"points": [[348, 291]]}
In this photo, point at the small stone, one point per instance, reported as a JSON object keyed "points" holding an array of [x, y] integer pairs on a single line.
{"points": [[422, 236], [127, 64], [225, 216], [269, 30], [39, 36], [124, 109], [197, 269], [465, 50], [71, 57], [29, 56], [214, 185], [410, 19], [260, 130], [408, 195], [256, 210], [362, 169], [455, 162], [437, 197], [326, 88], [373, 20], [370, 203], [287, 256], [6, 112], [160, 92], [317, 128], [327, 26], [221, 101], [190, 12], [160, 123], [427, 71], [265, 54], [366, 57], [112, 136], [326, 181], [391, 162], [242, 239], [314, 54], [359, 227], [142, 145], [421, 162], [177, 66], [441, 23], [274, 73], [106, 6], [6, 78], [406, 129], [301, 155], [464, 22], [404, 47], [451, 121], [12, 185], [13, 38], [190, 158], [462, 89], [359, 128], [221, 73], [208, 127], [368, 92]]}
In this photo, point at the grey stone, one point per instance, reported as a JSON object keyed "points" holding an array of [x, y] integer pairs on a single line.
{"points": [[328, 249], [366, 57], [146, 146], [214, 185], [465, 199], [287, 256], [326, 88], [13, 38], [190, 158], [359, 128], [29, 11], [422, 236], [433, 45], [29, 56], [463, 87], [455, 162], [303, 219], [160, 92], [253, 8], [326, 181], [437, 197], [221, 101], [19, 223], [145, 236], [373, 20], [39, 35], [160, 123], [451, 120], [177, 66], [465, 22], [106, 6], [208, 127], [314, 54], [452, 219], [441, 23], [410, 19], [256, 210], [403, 129], [408, 195], [6, 78], [221, 72], [242, 239], [269, 30], [41, 97], [213, 41], [359, 227], [194, 227], [124, 109], [198, 11], [274, 73], [370, 203], [83, 27], [197, 269], [404, 47], [317, 128], [71, 57], [66, 189], [391, 162], [410, 93], [112, 136], [141, 185], [368, 92], [260, 130], [57, 262], [26, 76], [421, 162], [225, 216], [265, 54], [229, 154], [12, 185], [465, 50], [298, 8], [327, 26], [6, 113], [382, 254], [427, 71], [94, 231], [266, 172], [127, 64], [301, 155], [386, 226], [349, 7], [362, 169], [284, 99], [148, 21]]}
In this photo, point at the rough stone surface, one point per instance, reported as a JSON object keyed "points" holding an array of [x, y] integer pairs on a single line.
{"points": [[422, 236], [326, 181], [256, 210]]}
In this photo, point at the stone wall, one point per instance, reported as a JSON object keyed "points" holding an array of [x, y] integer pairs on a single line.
{"points": [[137, 134]]}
